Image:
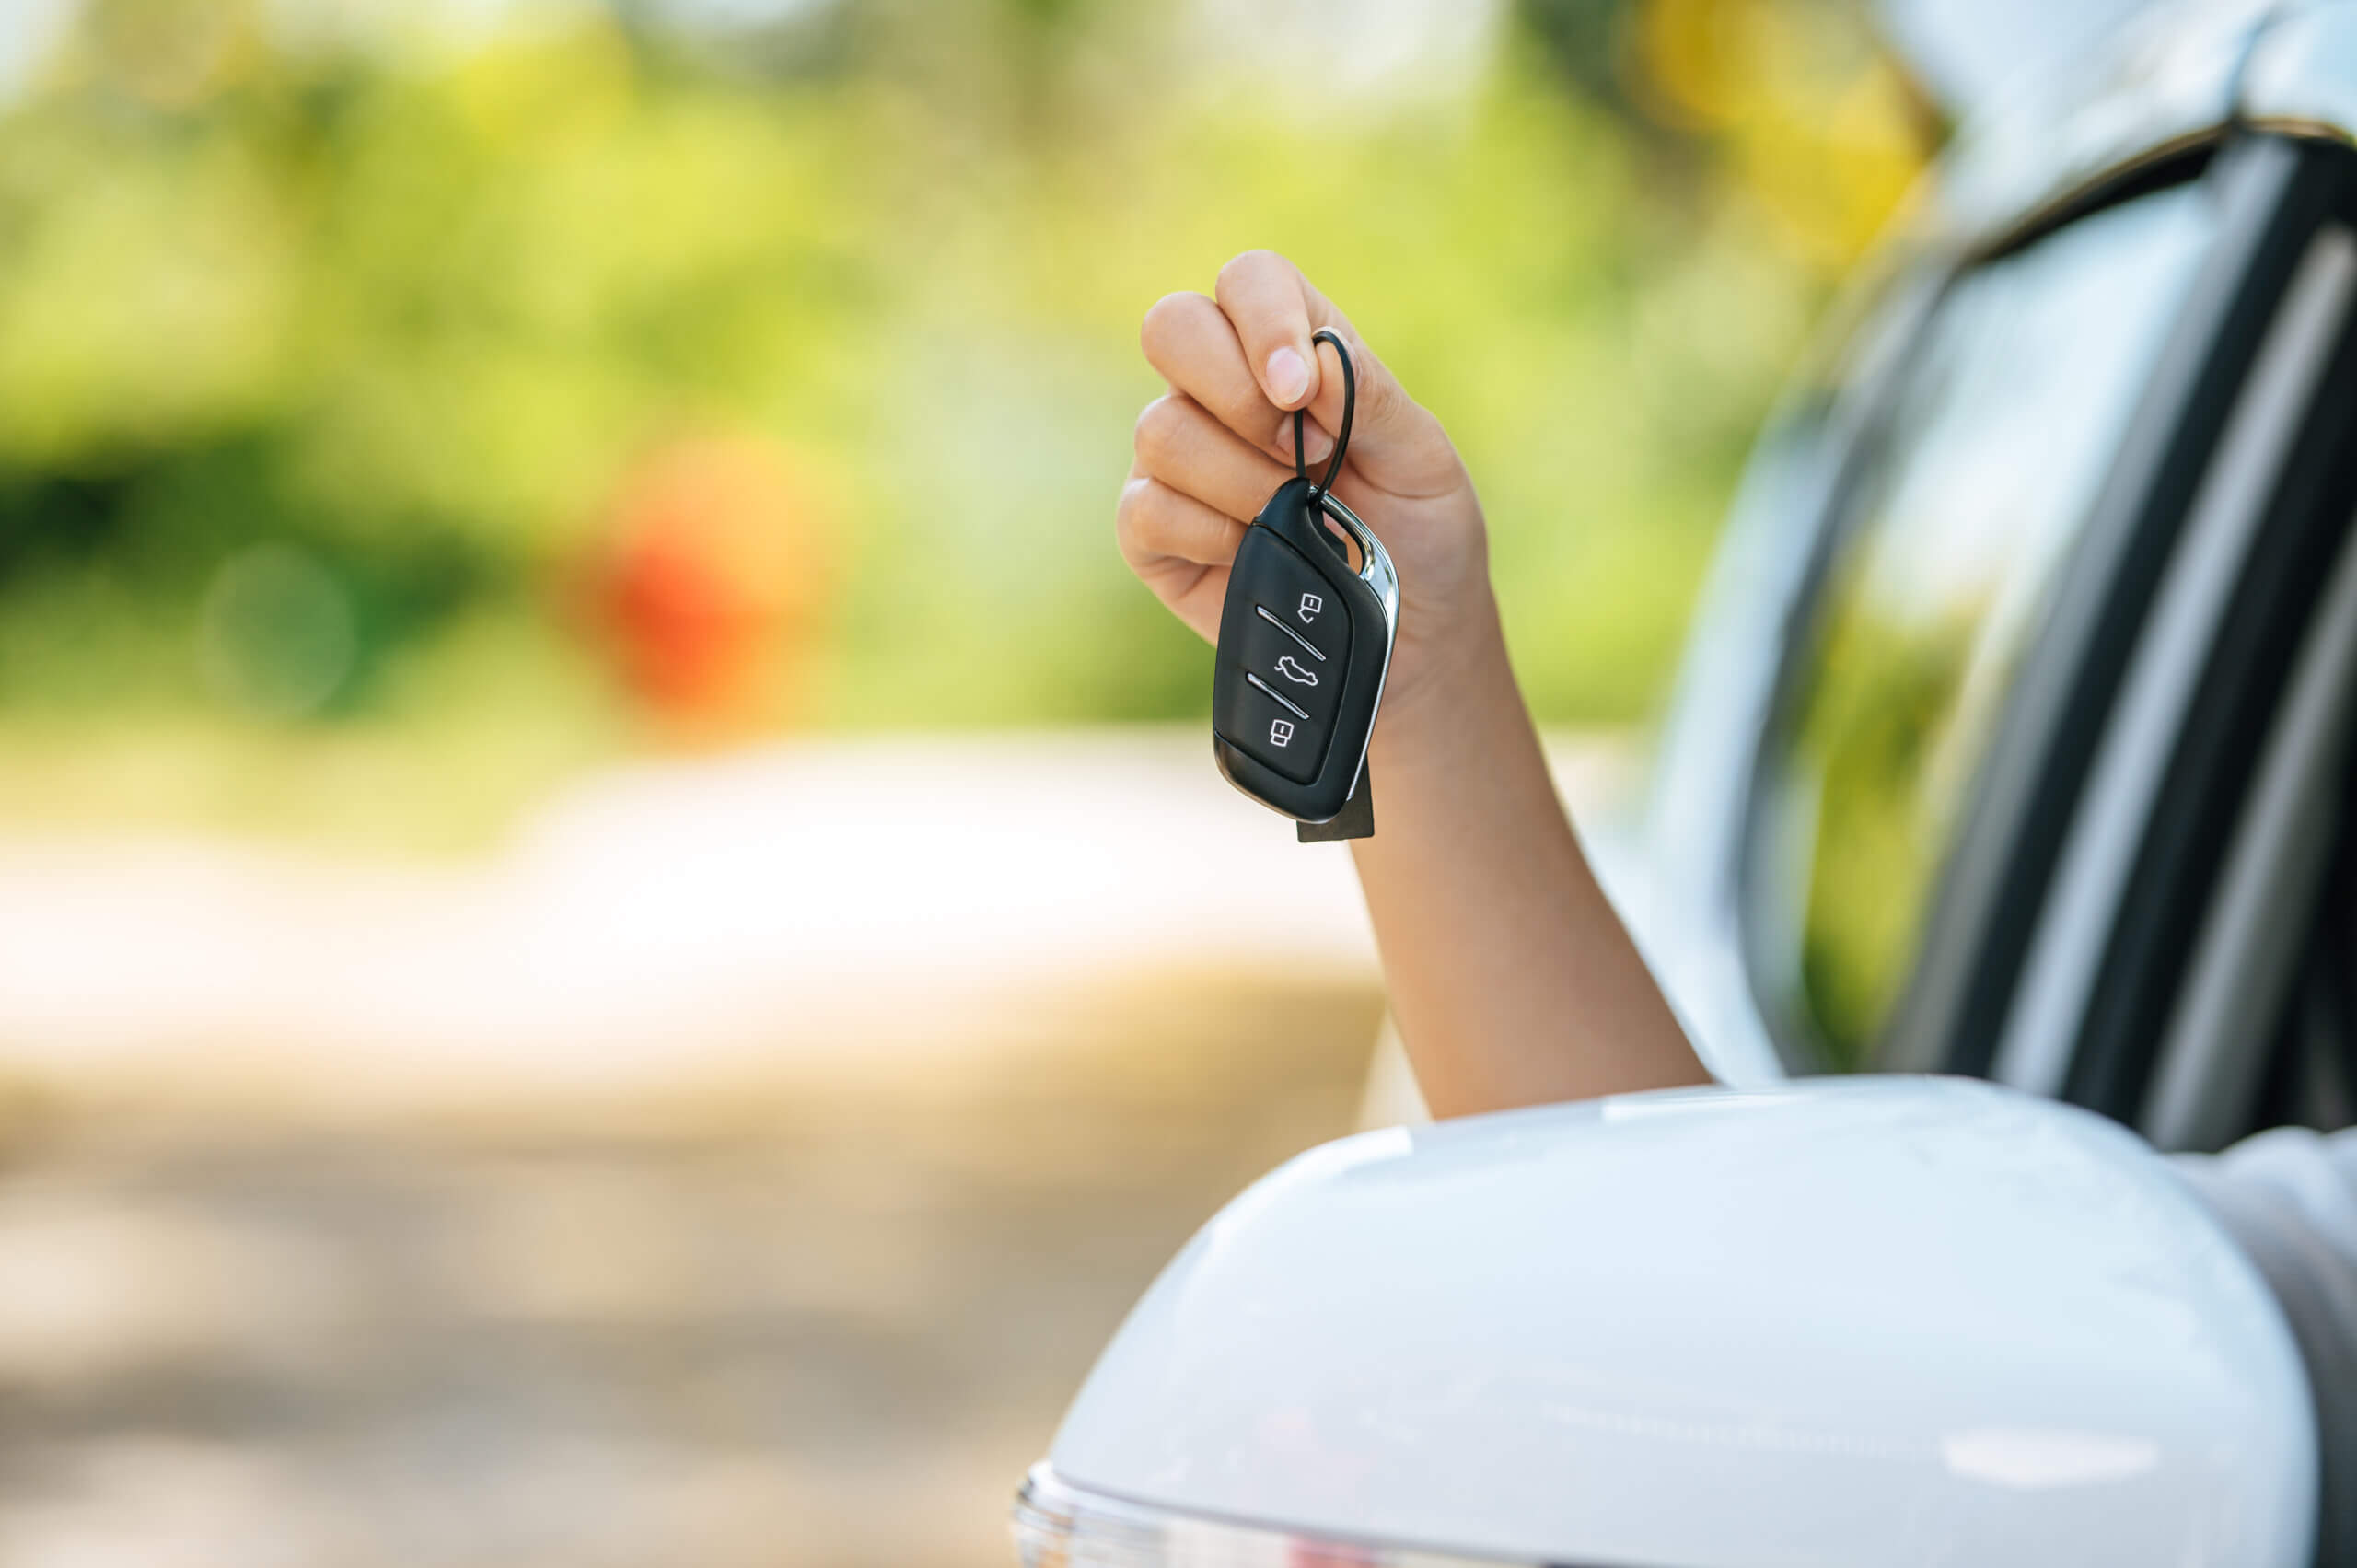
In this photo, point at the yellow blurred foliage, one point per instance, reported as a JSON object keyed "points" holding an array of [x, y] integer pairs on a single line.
{"points": [[1820, 126]]}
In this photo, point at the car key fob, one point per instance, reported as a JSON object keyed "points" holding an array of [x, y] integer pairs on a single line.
{"points": [[1305, 641]]}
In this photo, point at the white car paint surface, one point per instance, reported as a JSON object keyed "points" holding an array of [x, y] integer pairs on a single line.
{"points": [[1843, 1321]]}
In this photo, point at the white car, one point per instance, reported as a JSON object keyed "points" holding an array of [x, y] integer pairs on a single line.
{"points": [[2013, 745]]}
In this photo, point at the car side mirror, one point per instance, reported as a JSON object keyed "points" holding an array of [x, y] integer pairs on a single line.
{"points": [[1870, 1320]]}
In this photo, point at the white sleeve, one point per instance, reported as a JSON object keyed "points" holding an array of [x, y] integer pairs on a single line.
{"points": [[2288, 1197]]}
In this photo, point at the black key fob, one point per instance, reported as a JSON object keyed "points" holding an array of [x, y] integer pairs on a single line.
{"points": [[1304, 643]]}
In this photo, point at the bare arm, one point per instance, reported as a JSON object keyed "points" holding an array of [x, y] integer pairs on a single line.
{"points": [[1512, 980], [1511, 976]]}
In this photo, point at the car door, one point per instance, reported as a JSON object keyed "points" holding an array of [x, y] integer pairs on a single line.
{"points": [[2028, 721]]}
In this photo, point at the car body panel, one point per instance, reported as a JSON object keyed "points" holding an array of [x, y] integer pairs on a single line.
{"points": [[2039, 148], [2301, 76]]}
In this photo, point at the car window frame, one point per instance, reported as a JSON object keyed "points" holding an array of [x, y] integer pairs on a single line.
{"points": [[1993, 879], [2245, 688]]}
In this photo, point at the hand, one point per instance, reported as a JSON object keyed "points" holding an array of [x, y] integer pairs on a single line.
{"points": [[1510, 976], [1210, 454]]}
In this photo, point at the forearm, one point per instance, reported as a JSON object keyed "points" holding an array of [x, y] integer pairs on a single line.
{"points": [[1511, 976]]}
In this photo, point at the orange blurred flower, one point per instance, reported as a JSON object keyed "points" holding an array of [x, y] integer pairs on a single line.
{"points": [[714, 583]]}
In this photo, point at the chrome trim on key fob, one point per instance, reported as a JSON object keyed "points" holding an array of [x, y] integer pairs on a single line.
{"points": [[1378, 572]]}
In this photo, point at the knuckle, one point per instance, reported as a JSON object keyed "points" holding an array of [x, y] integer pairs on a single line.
{"points": [[1129, 511], [1250, 267], [1382, 398], [1129, 515], [1158, 429], [1148, 525], [1167, 318]]}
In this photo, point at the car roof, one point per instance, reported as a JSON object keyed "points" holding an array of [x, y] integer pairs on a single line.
{"points": [[1963, 52], [2168, 83]]}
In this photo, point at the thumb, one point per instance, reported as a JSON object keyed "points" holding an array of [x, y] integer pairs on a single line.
{"points": [[1274, 309]]}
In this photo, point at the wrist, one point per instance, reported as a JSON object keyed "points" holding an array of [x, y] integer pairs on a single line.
{"points": [[1449, 670]]}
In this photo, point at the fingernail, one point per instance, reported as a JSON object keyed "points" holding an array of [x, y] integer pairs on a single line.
{"points": [[1288, 377], [1314, 443]]}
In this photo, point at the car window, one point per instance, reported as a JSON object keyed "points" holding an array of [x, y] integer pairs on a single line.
{"points": [[1963, 510]]}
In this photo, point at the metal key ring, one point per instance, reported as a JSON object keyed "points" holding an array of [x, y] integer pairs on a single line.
{"points": [[1349, 407]]}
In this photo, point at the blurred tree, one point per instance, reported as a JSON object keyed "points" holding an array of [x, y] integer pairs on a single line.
{"points": [[416, 320], [372, 320], [1588, 41]]}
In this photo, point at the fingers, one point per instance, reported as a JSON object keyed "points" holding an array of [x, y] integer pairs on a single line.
{"points": [[1192, 343], [1179, 547], [1156, 523], [1180, 443], [1276, 314], [1250, 358], [1274, 310]]}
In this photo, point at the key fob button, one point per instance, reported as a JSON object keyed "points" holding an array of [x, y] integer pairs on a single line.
{"points": [[1269, 731], [1308, 608], [1295, 595], [1293, 667], [1284, 648]]}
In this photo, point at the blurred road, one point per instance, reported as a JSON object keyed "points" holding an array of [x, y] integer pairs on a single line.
{"points": [[676, 926], [742, 1168]]}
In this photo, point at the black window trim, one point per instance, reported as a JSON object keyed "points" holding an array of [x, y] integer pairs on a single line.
{"points": [[2246, 680], [2270, 190], [2258, 926], [1953, 1011]]}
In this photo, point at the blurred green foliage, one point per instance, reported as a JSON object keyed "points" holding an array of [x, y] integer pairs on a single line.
{"points": [[324, 348]]}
